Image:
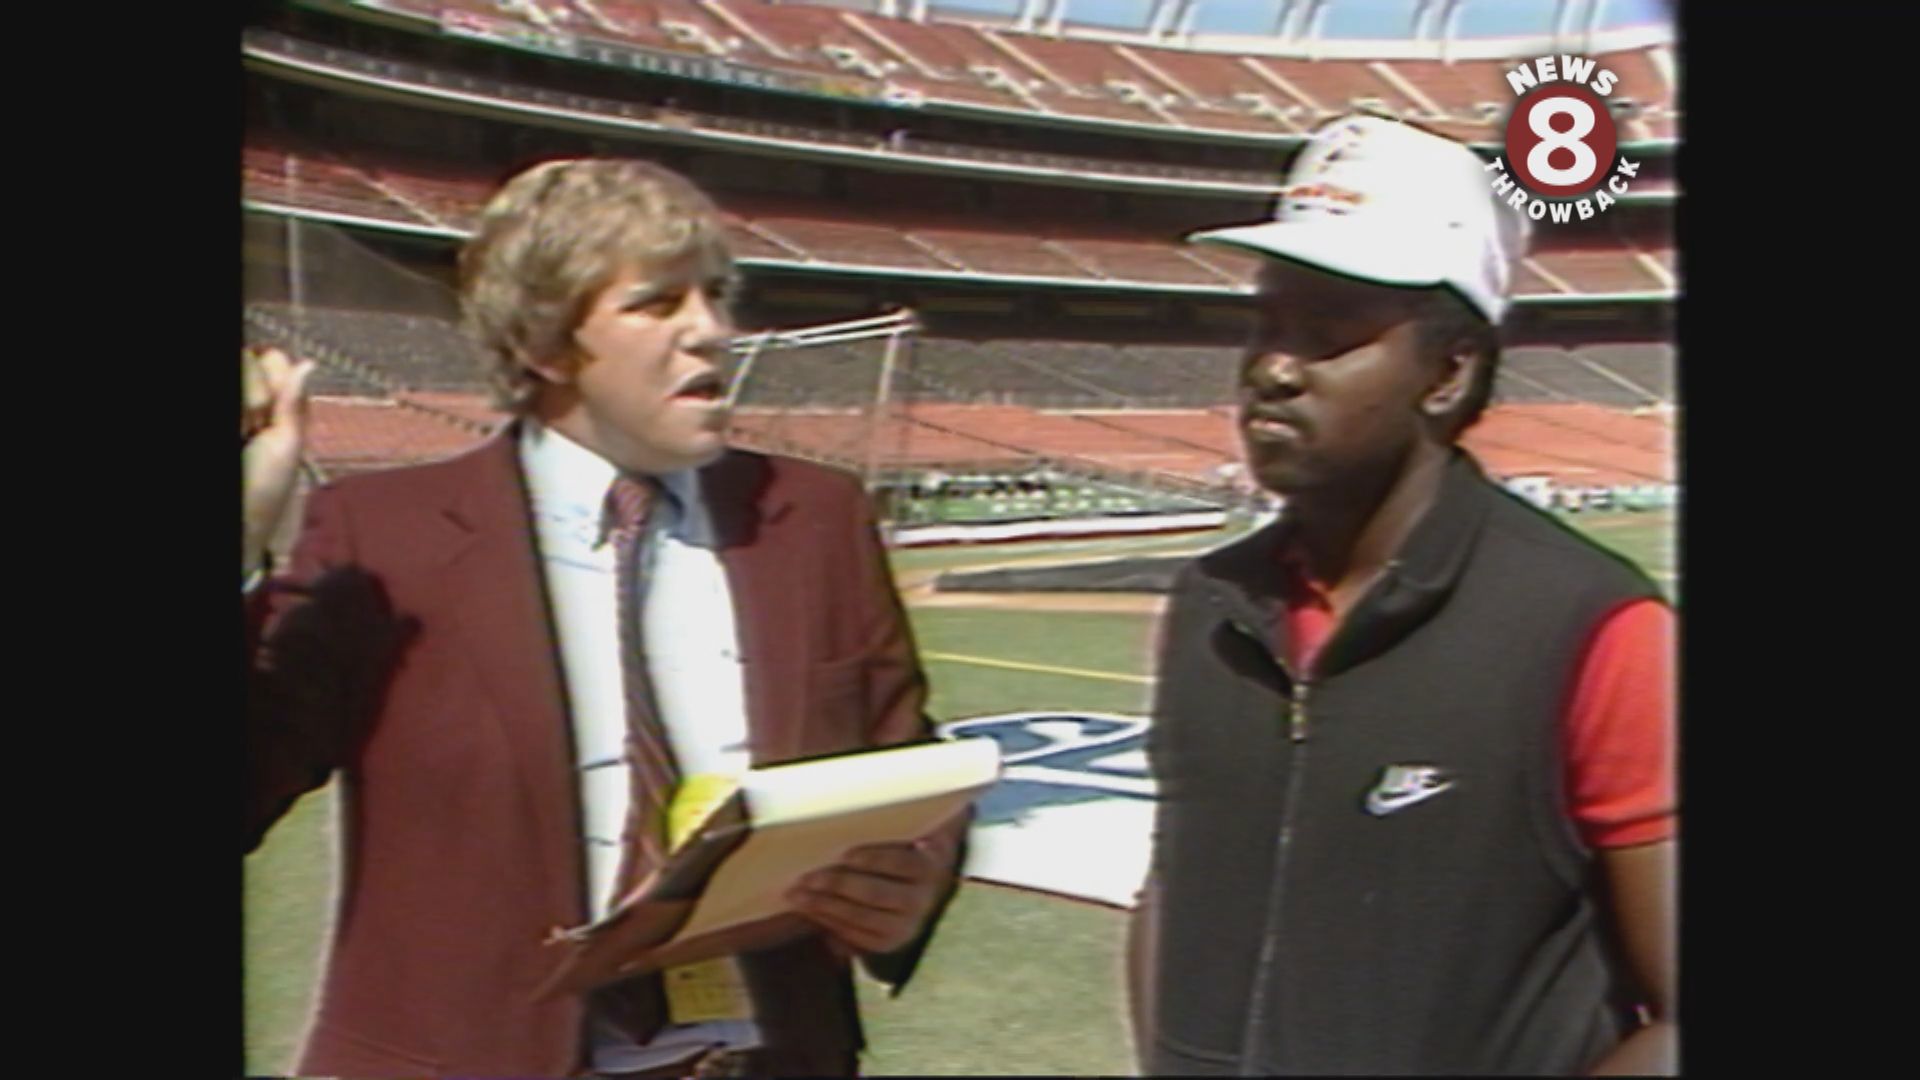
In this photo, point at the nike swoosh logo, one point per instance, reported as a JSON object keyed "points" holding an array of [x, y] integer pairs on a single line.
{"points": [[1381, 805]]}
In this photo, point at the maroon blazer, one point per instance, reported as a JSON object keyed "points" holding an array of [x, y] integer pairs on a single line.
{"points": [[460, 814]]}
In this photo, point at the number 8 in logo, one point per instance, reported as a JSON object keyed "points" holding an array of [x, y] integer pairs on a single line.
{"points": [[1560, 140]]}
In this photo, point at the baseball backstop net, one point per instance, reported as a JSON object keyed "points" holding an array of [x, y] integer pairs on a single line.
{"points": [[937, 429]]}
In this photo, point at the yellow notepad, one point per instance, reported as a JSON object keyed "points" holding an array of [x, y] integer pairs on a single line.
{"points": [[722, 890], [806, 814], [711, 989]]}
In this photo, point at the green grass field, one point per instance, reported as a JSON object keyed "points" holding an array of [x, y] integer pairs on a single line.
{"points": [[1015, 982], [1646, 538]]}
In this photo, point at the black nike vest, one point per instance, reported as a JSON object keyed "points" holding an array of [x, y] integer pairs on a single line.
{"points": [[1460, 929]]}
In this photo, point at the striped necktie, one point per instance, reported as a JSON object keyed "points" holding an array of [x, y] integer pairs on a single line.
{"points": [[638, 1005]]}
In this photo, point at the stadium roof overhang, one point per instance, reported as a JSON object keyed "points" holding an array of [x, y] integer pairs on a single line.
{"points": [[271, 54]]}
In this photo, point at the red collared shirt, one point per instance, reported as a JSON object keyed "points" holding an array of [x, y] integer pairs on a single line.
{"points": [[1619, 729]]}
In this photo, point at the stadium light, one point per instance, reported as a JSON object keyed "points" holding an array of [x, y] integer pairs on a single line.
{"points": [[1594, 8], [1187, 19], [1157, 11], [1281, 11]]}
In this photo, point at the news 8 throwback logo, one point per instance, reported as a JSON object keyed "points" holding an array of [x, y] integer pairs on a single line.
{"points": [[1562, 151]]}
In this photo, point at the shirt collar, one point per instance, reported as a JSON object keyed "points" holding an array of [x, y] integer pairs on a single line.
{"points": [[1297, 584], [689, 521], [1420, 576], [564, 474], [1433, 549]]}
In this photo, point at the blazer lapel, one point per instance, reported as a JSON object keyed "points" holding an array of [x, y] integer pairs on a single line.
{"points": [[743, 501], [497, 590]]}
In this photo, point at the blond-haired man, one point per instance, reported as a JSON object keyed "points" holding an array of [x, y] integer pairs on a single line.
{"points": [[602, 576]]}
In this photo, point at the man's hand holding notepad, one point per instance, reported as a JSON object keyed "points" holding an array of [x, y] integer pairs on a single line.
{"points": [[828, 843]]}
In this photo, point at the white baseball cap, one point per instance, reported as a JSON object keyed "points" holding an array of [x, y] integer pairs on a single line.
{"points": [[1386, 202]]}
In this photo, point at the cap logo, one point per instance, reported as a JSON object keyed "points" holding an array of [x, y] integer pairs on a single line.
{"points": [[1382, 201]]}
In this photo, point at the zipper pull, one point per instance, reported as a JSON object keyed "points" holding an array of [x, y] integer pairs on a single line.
{"points": [[1297, 722]]}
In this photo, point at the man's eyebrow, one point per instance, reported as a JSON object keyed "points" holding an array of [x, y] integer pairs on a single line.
{"points": [[648, 291]]}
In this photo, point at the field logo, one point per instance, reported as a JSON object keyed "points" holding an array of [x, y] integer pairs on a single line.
{"points": [[1059, 758], [1562, 150], [1072, 814]]}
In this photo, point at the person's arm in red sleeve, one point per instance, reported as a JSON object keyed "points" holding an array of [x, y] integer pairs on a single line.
{"points": [[1621, 787], [882, 902], [330, 640]]}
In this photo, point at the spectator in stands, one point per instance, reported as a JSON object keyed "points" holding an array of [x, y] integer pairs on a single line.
{"points": [[671, 114], [501, 775], [1414, 739]]}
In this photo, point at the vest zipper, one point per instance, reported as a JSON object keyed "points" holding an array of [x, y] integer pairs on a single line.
{"points": [[1270, 938], [1297, 697]]}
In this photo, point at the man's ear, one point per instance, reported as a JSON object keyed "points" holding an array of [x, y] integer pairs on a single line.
{"points": [[1459, 370], [558, 368]]}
